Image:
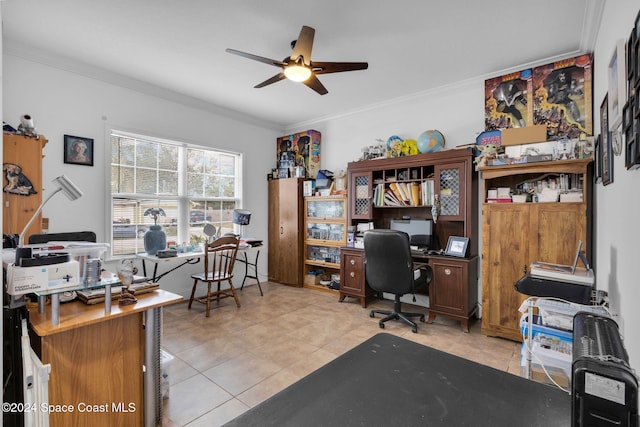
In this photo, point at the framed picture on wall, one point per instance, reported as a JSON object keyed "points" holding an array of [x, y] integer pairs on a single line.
{"points": [[617, 83], [597, 161], [78, 150], [607, 152]]}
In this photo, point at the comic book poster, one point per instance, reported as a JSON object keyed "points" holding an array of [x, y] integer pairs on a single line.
{"points": [[508, 101], [299, 149], [563, 98]]}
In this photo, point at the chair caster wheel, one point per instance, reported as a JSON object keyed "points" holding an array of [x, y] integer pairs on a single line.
{"points": [[422, 319], [381, 325], [371, 315], [414, 330]]}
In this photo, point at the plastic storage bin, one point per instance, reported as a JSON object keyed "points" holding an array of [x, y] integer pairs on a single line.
{"points": [[165, 368]]}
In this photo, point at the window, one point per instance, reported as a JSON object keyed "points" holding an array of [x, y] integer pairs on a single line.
{"points": [[193, 186]]}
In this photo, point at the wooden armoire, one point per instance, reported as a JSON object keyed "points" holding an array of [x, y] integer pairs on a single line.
{"points": [[22, 160], [516, 234], [286, 231]]}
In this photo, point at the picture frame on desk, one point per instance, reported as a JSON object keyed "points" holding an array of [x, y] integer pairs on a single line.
{"points": [[457, 246]]}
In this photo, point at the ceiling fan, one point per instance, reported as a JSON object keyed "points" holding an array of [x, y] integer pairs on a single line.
{"points": [[299, 67]]}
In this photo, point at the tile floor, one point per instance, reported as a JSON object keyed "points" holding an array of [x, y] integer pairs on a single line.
{"points": [[238, 357]]}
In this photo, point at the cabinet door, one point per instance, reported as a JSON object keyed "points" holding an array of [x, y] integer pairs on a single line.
{"points": [[274, 231], [284, 236], [352, 281], [505, 253], [556, 229], [447, 291], [361, 185], [26, 153], [450, 179]]}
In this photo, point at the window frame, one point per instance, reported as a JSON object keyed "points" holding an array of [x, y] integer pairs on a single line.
{"points": [[185, 229]]}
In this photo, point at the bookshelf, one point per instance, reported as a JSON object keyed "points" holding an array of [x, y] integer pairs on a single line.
{"points": [[325, 225], [375, 189]]}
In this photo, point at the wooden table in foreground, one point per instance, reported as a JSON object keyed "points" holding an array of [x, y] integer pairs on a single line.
{"points": [[97, 361]]}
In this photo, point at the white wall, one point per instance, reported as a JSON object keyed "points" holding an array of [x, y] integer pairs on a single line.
{"points": [[66, 103], [617, 205]]}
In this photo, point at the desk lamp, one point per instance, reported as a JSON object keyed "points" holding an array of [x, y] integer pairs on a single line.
{"points": [[242, 218], [69, 189]]}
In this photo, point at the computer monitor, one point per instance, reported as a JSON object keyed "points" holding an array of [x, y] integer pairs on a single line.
{"points": [[420, 231]]}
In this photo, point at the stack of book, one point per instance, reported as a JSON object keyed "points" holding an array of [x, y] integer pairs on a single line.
{"points": [[404, 193]]}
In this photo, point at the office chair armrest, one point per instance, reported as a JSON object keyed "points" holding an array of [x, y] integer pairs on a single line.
{"points": [[420, 265], [422, 275]]}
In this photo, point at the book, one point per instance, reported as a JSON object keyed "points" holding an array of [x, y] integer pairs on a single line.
{"points": [[415, 194]]}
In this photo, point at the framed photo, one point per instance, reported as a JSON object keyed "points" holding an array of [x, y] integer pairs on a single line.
{"points": [[607, 151], [631, 57], [457, 246], [617, 83], [78, 150]]}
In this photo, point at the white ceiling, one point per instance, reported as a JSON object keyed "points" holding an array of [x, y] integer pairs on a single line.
{"points": [[177, 48]]}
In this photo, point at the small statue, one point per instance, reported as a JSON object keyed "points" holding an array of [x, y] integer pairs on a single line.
{"points": [[435, 208], [26, 127], [489, 151], [125, 274]]}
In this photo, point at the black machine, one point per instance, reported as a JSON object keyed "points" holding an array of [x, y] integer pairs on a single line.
{"points": [[604, 389]]}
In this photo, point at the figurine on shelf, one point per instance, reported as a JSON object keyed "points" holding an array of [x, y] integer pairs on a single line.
{"points": [[125, 274], [26, 126], [435, 208]]}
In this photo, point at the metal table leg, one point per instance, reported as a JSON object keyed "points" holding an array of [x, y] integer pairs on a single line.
{"points": [[253, 264]]}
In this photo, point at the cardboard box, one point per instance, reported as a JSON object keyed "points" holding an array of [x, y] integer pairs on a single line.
{"points": [[312, 279], [525, 135], [41, 278]]}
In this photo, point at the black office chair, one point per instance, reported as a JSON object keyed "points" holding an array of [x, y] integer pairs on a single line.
{"points": [[390, 268]]}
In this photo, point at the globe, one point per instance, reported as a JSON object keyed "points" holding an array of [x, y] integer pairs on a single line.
{"points": [[430, 141]]}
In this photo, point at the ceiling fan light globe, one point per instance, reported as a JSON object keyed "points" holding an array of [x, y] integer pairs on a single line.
{"points": [[297, 73]]}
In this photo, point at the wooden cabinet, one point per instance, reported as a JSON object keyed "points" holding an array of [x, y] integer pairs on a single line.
{"points": [[325, 225], [516, 234], [352, 280], [453, 291], [285, 239], [25, 153], [98, 362]]}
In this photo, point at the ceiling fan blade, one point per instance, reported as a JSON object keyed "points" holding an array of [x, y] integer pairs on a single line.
{"points": [[315, 84], [258, 58], [272, 80], [303, 45], [337, 67]]}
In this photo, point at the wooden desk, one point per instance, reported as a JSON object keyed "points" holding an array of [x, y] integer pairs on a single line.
{"points": [[97, 360], [185, 258], [453, 291]]}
